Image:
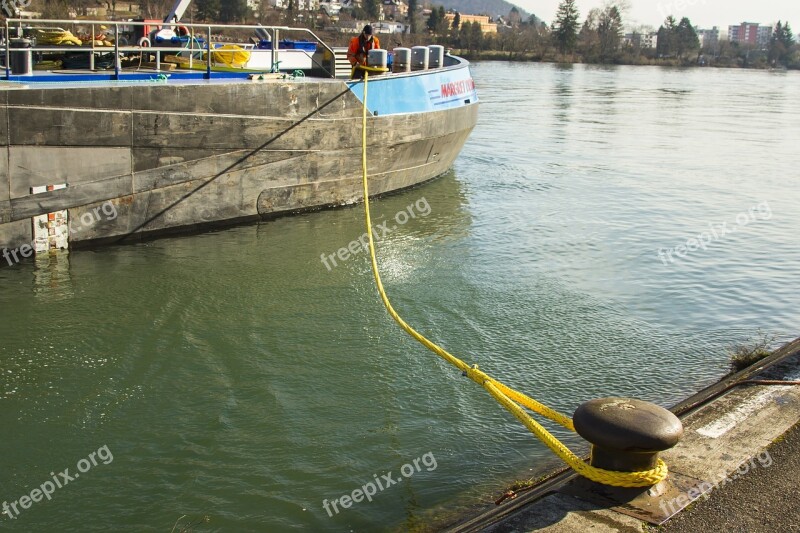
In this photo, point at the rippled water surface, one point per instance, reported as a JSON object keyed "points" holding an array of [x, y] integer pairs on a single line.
{"points": [[231, 374]]}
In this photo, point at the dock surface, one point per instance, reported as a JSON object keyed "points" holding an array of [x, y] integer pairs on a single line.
{"points": [[734, 470]]}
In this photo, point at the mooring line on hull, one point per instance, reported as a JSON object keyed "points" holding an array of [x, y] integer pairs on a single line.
{"points": [[509, 398]]}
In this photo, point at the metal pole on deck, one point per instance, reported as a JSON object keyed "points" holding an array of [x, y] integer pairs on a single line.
{"points": [[208, 54], [91, 54], [276, 44], [116, 51], [8, 54]]}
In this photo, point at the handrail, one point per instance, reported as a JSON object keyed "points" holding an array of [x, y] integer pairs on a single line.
{"points": [[159, 23], [117, 49]]}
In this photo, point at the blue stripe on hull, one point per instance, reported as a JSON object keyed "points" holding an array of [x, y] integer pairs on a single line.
{"points": [[430, 90]]}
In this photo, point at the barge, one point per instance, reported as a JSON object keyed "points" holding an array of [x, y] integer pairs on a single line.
{"points": [[177, 147]]}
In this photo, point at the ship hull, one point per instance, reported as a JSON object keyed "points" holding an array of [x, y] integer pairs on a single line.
{"points": [[167, 158]]}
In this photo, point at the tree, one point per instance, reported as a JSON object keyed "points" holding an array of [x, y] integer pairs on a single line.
{"points": [[470, 36], [565, 26], [601, 35], [787, 38], [781, 43], [456, 20], [208, 10], [289, 13], [687, 40], [372, 8], [433, 20], [412, 16], [667, 35], [232, 10], [535, 37], [609, 31], [588, 39], [476, 36], [465, 36], [442, 26]]}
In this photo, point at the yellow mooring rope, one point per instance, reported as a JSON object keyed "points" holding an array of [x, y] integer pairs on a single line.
{"points": [[506, 396]]}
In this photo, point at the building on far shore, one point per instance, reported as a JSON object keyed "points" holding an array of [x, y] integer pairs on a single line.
{"points": [[299, 5], [750, 33], [709, 39], [642, 40], [395, 9], [483, 20], [385, 26]]}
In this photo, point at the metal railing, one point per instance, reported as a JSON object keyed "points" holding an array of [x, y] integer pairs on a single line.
{"points": [[118, 29]]}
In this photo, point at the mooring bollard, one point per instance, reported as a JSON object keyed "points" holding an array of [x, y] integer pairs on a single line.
{"points": [[626, 434]]}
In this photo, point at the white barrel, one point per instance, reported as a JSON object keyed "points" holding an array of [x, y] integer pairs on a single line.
{"points": [[376, 58], [436, 58], [419, 58], [402, 60]]}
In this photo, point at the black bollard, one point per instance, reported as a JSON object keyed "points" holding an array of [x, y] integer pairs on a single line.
{"points": [[626, 434]]}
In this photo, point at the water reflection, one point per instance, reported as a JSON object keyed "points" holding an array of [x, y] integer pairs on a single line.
{"points": [[51, 275]]}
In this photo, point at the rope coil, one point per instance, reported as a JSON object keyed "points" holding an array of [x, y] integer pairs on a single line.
{"points": [[505, 396]]}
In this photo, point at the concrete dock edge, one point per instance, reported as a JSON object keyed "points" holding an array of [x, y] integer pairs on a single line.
{"points": [[728, 427]]}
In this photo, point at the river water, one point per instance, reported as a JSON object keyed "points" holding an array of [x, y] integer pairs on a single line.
{"points": [[233, 375]]}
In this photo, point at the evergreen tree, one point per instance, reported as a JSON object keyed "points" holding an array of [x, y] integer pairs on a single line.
{"points": [[667, 34], [565, 26], [780, 45], [456, 20], [465, 36], [412, 16], [687, 40], [442, 26], [433, 20], [476, 36], [787, 37]]}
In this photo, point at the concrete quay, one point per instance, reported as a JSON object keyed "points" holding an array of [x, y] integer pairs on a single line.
{"points": [[734, 469]]}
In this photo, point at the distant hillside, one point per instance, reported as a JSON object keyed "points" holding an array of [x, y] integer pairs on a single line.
{"points": [[493, 8]]}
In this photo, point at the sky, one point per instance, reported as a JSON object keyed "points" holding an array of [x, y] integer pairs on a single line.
{"points": [[702, 13]]}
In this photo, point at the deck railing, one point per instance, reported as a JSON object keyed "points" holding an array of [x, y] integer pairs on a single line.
{"points": [[199, 40]]}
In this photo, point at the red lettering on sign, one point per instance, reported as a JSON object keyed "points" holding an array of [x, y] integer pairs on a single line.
{"points": [[457, 88]]}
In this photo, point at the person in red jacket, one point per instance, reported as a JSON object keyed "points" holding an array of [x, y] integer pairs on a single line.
{"points": [[360, 46]]}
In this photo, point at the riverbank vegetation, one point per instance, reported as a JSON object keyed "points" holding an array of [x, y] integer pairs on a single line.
{"points": [[750, 351], [601, 39]]}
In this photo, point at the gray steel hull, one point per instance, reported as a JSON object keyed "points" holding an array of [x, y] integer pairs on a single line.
{"points": [[174, 158]]}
